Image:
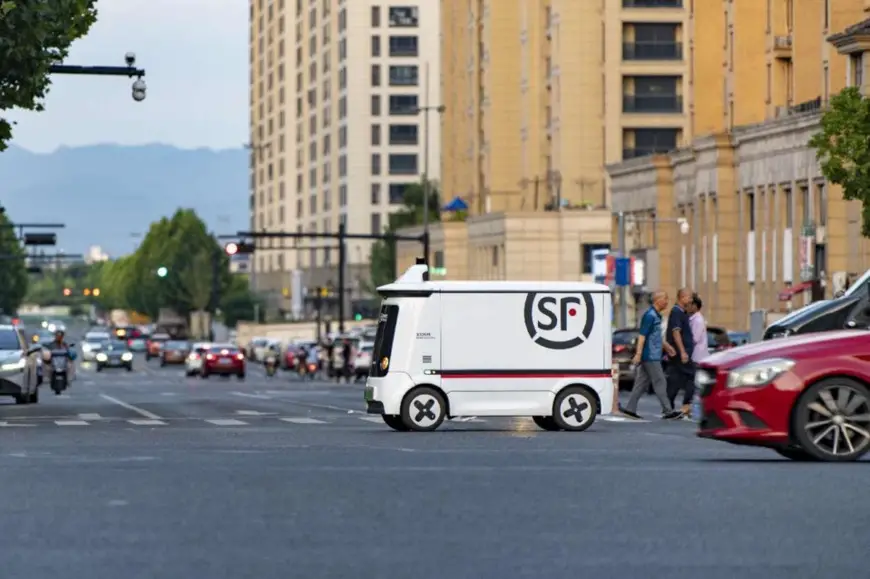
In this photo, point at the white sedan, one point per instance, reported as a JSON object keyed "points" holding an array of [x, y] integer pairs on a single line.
{"points": [[193, 364]]}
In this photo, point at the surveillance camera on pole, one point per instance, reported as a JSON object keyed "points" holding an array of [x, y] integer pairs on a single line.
{"points": [[130, 59], [139, 89]]}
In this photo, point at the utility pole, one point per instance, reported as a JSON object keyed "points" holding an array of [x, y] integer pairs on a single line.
{"points": [[426, 109], [342, 263]]}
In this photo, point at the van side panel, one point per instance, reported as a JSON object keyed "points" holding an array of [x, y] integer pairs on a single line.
{"points": [[509, 353]]}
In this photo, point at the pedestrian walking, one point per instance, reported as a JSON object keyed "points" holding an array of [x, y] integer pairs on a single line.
{"points": [[699, 334], [648, 360], [681, 369]]}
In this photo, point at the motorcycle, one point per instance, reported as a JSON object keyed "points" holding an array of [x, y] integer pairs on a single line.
{"points": [[311, 370], [59, 370], [271, 365]]}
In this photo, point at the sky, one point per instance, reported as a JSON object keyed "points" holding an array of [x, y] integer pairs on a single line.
{"points": [[195, 54]]}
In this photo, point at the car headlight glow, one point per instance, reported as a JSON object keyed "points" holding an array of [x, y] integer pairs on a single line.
{"points": [[86, 347], [19, 365], [759, 373], [102, 357], [126, 356]]}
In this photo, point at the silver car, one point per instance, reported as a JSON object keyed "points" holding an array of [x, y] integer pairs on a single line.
{"points": [[18, 366], [93, 344]]}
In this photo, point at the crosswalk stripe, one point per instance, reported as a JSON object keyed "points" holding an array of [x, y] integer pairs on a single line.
{"points": [[72, 423], [227, 422], [147, 422], [303, 420], [371, 418], [89, 416]]}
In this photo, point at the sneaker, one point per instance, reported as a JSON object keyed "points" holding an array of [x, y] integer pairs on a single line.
{"points": [[629, 413], [671, 415]]}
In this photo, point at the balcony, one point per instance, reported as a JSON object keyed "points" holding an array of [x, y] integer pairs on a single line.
{"points": [[782, 46], [652, 51], [652, 104], [652, 3], [643, 152]]}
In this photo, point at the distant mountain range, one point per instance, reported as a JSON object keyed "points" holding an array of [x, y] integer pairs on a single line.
{"points": [[106, 194]]}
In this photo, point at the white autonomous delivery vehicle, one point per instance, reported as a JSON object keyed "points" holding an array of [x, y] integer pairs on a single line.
{"points": [[446, 349]]}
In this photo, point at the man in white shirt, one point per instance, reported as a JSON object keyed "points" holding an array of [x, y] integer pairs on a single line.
{"points": [[699, 336]]}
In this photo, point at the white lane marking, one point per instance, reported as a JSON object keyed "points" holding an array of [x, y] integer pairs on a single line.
{"points": [[227, 422], [136, 409], [247, 395], [71, 423], [146, 422], [7, 425], [371, 418], [303, 420], [254, 413], [90, 416], [467, 419], [169, 393]]}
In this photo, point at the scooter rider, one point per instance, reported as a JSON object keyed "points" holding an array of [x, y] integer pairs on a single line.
{"points": [[59, 343], [313, 358]]}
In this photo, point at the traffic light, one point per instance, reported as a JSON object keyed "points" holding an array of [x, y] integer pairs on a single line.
{"points": [[324, 292], [86, 292], [162, 271], [67, 291], [357, 317], [96, 292], [240, 248]]}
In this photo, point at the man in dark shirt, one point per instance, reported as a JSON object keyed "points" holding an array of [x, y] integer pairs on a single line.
{"points": [[681, 370]]}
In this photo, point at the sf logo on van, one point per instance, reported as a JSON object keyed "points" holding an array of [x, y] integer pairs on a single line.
{"points": [[559, 322]]}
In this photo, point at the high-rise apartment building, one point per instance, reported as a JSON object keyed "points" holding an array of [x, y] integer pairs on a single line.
{"points": [[336, 130], [763, 222], [539, 100]]}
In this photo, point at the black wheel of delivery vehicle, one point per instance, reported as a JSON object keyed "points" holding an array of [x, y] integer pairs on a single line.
{"points": [[575, 409], [423, 409], [546, 423], [395, 422], [795, 454], [832, 420]]}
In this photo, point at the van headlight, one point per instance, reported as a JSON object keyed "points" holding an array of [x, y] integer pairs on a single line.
{"points": [[126, 356], [385, 363], [759, 373]]}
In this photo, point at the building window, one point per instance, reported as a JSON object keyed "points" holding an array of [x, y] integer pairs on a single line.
{"points": [[376, 105], [404, 46], [376, 135], [342, 166], [589, 250], [403, 104], [652, 41], [376, 193], [404, 17], [789, 208], [651, 94], [403, 164], [642, 142], [376, 74], [376, 164], [397, 193], [404, 135], [438, 259], [376, 224], [376, 46], [403, 75], [342, 195], [750, 210], [856, 62], [376, 16]]}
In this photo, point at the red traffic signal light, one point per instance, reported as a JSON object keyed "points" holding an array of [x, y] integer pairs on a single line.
{"points": [[240, 248], [232, 248]]}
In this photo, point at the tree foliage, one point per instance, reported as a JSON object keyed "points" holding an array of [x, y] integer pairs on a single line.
{"points": [[33, 36], [13, 272], [843, 148], [383, 257]]}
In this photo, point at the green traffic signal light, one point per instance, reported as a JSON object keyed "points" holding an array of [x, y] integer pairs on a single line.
{"points": [[162, 271], [358, 317]]}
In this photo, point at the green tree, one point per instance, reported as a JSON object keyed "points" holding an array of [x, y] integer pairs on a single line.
{"points": [[843, 148], [382, 269], [13, 272], [33, 36], [238, 302]]}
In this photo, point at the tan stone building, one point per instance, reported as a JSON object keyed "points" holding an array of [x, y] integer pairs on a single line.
{"points": [[762, 220], [538, 99]]}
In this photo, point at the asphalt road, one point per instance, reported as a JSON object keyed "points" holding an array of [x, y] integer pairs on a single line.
{"points": [[153, 475]]}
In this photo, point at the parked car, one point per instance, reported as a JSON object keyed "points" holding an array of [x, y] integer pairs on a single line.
{"points": [[115, 354], [362, 362], [155, 345], [223, 360], [623, 349], [717, 339], [93, 344], [195, 359], [18, 366], [174, 352], [739, 338], [806, 397]]}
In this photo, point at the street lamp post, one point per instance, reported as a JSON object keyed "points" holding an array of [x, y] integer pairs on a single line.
{"points": [[425, 110], [622, 218]]}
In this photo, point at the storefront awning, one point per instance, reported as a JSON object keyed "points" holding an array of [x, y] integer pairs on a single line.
{"points": [[789, 292]]}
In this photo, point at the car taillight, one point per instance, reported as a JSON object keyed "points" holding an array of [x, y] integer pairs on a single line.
{"points": [[210, 357], [240, 356], [194, 356], [619, 348]]}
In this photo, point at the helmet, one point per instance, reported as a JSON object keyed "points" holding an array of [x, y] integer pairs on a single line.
{"points": [[58, 333]]}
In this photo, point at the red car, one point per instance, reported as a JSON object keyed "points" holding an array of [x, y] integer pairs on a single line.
{"points": [[223, 361], [805, 397]]}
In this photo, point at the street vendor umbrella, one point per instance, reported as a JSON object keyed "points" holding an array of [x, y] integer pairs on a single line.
{"points": [[457, 204]]}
